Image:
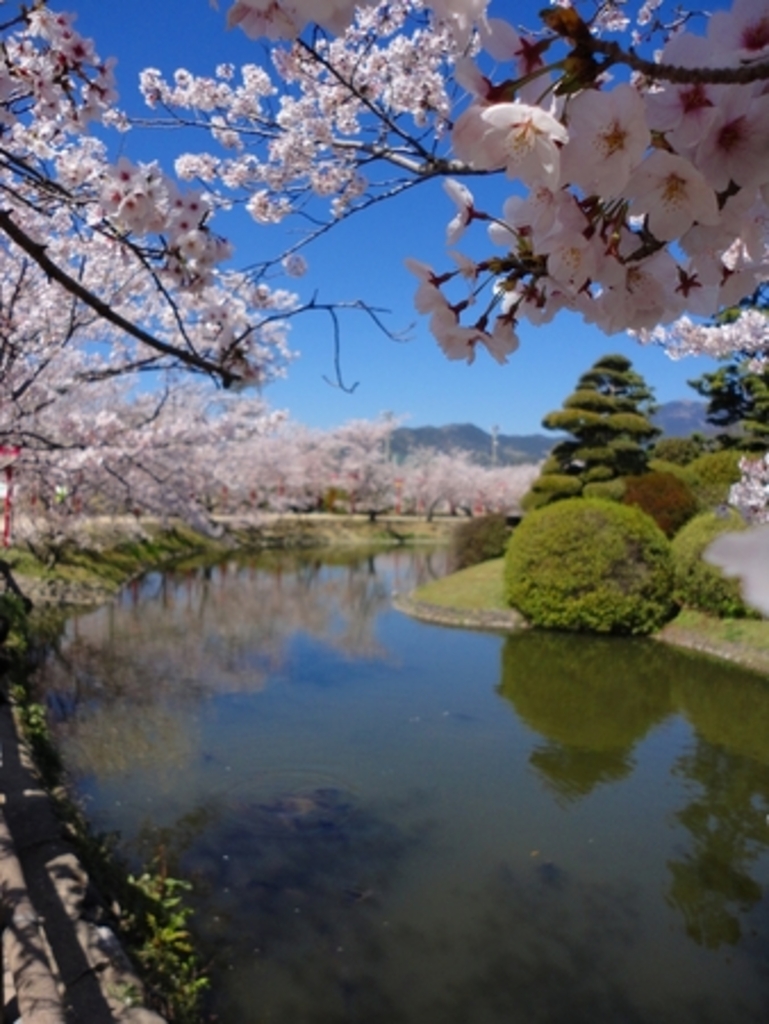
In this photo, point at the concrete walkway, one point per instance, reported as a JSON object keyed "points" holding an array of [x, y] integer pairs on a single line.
{"points": [[62, 962]]}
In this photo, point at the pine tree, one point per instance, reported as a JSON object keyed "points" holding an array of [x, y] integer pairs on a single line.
{"points": [[738, 398], [607, 418]]}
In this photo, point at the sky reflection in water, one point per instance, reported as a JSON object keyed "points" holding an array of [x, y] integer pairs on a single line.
{"points": [[388, 821]]}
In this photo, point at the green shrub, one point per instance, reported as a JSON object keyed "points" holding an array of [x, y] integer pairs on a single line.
{"points": [[699, 584], [679, 450], [664, 497], [661, 466], [14, 623], [593, 565], [710, 477], [609, 490], [478, 540]]}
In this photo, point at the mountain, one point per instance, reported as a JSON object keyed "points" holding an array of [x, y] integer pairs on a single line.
{"points": [[679, 419], [675, 419], [512, 449]]}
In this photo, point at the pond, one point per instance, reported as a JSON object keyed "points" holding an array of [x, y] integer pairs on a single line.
{"points": [[388, 821]]}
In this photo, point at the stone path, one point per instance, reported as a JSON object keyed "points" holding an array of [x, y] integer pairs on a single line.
{"points": [[62, 962]]}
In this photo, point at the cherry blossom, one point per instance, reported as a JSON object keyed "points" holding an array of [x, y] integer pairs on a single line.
{"points": [[672, 194], [632, 181]]}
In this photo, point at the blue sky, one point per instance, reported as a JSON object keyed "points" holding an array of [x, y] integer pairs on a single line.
{"points": [[363, 258]]}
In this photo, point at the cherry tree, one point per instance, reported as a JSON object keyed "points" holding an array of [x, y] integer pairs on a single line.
{"points": [[637, 147], [433, 482], [362, 465], [109, 253], [105, 451], [643, 178], [287, 468]]}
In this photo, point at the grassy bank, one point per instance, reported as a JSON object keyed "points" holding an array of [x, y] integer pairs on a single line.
{"points": [[92, 566], [472, 595], [479, 588], [101, 555]]}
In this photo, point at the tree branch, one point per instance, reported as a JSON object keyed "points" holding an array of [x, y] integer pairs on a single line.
{"points": [[74, 287]]}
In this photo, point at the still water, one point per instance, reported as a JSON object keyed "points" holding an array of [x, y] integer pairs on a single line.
{"points": [[394, 822]]}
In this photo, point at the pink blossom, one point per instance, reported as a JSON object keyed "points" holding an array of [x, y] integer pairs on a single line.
{"points": [[608, 136], [742, 32], [684, 110], [456, 342], [523, 139], [672, 194], [463, 198], [429, 298], [736, 146]]}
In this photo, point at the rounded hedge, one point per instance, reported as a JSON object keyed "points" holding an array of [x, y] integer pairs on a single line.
{"points": [[711, 476], [663, 496], [593, 565], [699, 584]]}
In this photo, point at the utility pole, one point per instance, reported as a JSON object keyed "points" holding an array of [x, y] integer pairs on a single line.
{"points": [[389, 417], [494, 444]]}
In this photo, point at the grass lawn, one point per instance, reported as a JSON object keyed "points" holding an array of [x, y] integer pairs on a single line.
{"points": [[752, 632], [479, 588]]}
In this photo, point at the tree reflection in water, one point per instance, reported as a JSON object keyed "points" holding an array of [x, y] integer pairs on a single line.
{"points": [[124, 681], [338, 777], [594, 700]]}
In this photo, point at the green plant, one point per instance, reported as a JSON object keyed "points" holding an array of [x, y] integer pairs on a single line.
{"points": [[711, 475], [607, 418], [664, 497], [551, 487], [153, 919], [34, 722], [738, 404], [698, 584], [14, 617], [610, 490], [593, 565], [159, 919], [478, 540], [679, 450]]}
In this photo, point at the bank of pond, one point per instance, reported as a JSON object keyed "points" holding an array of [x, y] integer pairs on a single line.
{"points": [[388, 820]]}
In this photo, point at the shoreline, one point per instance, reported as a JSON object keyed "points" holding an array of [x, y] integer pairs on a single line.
{"points": [[678, 634]]}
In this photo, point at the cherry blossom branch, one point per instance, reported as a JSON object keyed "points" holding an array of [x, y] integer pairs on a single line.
{"points": [[743, 75], [70, 284]]}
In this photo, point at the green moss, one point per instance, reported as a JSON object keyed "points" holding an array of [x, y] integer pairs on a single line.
{"points": [[586, 564]]}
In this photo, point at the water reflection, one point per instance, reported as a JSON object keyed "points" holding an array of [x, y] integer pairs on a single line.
{"points": [[592, 702], [391, 822], [125, 681]]}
